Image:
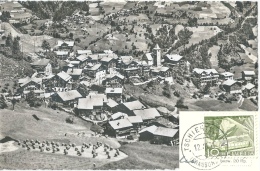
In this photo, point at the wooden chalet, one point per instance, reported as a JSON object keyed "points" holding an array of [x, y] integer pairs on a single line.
{"points": [[74, 73], [129, 107], [67, 98], [115, 94], [232, 86], [148, 115], [92, 104], [119, 128], [42, 66]]}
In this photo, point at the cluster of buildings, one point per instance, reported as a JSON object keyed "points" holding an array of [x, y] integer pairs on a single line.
{"points": [[123, 116], [246, 84]]}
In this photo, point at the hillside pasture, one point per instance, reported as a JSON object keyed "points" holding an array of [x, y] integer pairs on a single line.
{"points": [[202, 33], [21, 125], [108, 6], [143, 155], [214, 58]]}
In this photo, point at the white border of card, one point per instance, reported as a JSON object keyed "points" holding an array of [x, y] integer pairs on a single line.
{"points": [[219, 141]]}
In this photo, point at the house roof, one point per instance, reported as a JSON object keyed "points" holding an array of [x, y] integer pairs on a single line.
{"points": [[159, 69], [135, 119], [208, 71], [63, 75], [118, 115], [150, 129], [126, 59], [70, 65], [69, 43], [93, 57], [95, 67], [92, 100], [227, 74], [166, 132], [74, 71], [149, 56], [249, 72], [111, 103], [82, 57], [61, 52], [33, 79], [74, 62], [115, 75], [249, 86], [69, 95], [229, 82], [156, 47], [108, 51], [22, 80], [175, 57], [81, 52], [134, 105], [41, 62], [147, 114], [114, 90], [121, 123], [106, 59]]}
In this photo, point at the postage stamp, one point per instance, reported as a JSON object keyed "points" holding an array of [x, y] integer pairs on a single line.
{"points": [[219, 140]]}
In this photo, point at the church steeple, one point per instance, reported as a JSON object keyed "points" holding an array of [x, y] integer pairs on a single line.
{"points": [[157, 55]]}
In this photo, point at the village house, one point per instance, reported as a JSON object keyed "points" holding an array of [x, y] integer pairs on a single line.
{"points": [[93, 59], [63, 55], [74, 63], [115, 94], [250, 90], [30, 84], [204, 76], [226, 76], [119, 128], [74, 73], [248, 75], [118, 115], [65, 45], [128, 66], [232, 86], [83, 58], [146, 134], [148, 115], [62, 80], [83, 52], [108, 62], [114, 80], [148, 59], [173, 60], [160, 71], [67, 98], [164, 135], [129, 107], [93, 104], [92, 72], [136, 121], [111, 104], [42, 66]]}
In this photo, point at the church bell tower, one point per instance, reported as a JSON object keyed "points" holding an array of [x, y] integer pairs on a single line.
{"points": [[157, 55]]}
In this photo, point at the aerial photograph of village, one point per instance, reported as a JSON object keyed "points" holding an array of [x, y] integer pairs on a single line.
{"points": [[101, 84]]}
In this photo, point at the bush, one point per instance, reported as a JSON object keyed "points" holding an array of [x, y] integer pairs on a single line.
{"points": [[70, 119]]}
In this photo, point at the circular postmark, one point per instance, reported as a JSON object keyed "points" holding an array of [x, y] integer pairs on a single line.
{"points": [[204, 146]]}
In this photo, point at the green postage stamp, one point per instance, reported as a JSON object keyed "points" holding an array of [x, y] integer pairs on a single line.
{"points": [[219, 140], [238, 132]]}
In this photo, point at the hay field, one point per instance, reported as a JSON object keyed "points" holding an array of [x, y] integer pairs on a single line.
{"points": [[21, 125]]}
